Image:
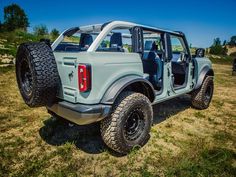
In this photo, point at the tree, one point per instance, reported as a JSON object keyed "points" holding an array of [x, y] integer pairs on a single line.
{"points": [[217, 42], [224, 43], [217, 48], [15, 18], [40, 30], [232, 41], [54, 33]]}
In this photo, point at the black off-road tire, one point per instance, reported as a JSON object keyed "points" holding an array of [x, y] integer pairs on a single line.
{"points": [[37, 75], [201, 97], [116, 129]]}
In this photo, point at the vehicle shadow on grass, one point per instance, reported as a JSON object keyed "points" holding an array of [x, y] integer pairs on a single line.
{"points": [[87, 138], [164, 110]]}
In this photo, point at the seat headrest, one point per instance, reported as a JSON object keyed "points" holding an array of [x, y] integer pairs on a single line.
{"points": [[116, 40], [151, 46], [154, 47], [85, 39], [148, 45]]}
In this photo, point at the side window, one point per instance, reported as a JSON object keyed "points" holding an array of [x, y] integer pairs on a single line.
{"points": [[177, 44], [118, 40]]}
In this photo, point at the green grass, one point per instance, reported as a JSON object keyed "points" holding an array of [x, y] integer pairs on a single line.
{"points": [[222, 60], [6, 69], [184, 141], [207, 162]]}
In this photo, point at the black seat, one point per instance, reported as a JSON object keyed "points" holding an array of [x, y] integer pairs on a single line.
{"points": [[85, 39], [148, 45], [152, 64], [149, 62], [116, 42]]}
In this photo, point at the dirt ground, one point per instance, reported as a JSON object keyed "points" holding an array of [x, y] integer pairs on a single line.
{"points": [[183, 141]]}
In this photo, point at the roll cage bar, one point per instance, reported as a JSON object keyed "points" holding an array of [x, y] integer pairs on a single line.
{"points": [[103, 30]]}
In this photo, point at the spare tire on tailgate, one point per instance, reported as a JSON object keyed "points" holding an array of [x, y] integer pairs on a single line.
{"points": [[37, 74]]}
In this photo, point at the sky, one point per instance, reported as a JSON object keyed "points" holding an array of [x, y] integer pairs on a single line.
{"points": [[201, 20]]}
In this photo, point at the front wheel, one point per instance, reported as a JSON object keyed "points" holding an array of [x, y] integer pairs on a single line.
{"points": [[201, 98], [129, 124]]}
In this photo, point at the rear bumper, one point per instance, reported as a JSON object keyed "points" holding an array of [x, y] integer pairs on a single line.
{"points": [[80, 114]]}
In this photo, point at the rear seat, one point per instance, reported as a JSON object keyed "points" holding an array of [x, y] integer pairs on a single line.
{"points": [[85, 41], [152, 64]]}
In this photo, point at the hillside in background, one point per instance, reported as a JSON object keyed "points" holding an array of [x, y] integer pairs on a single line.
{"points": [[9, 41], [231, 51]]}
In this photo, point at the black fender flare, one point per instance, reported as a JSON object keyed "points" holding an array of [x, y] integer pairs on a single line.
{"points": [[117, 87], [206, 71]]}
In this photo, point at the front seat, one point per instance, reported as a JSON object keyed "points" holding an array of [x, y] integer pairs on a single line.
{"points": [[116, 42], [158, 61]]}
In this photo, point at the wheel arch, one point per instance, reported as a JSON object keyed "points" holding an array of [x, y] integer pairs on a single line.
{"points": [[206, 71], [129, 83]]}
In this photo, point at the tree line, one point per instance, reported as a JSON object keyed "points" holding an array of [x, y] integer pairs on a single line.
{"points": [[219, 48], [15, 18]]}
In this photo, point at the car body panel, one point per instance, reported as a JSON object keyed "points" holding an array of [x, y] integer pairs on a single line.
{"points": [[201, 67], [109, 68]]}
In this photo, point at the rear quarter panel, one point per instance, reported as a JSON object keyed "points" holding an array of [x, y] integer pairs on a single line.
{"points": [[106, 67]]}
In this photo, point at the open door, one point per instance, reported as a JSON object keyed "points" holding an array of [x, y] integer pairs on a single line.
{"points": [[179, 62]]}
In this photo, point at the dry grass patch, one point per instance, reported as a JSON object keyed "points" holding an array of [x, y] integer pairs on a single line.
{"points": [[183, 141]]}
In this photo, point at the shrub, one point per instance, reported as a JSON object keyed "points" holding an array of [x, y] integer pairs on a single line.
{"points": [[40, 30], [54, 33], [217, 48]]}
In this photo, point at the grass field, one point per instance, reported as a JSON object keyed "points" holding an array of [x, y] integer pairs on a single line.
{"points": [[184, 141]]}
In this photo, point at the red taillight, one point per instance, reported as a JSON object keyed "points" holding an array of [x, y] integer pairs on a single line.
{"points": [[84, 75]]}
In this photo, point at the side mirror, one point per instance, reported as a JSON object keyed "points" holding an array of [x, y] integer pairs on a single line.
{"points": [[200, 53], [137, 39]]}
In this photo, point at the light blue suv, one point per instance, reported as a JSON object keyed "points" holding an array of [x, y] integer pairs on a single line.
{"points": [[113, 73]]}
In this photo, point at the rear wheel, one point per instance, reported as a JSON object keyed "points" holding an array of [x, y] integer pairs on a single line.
{"points": [[129, 124], [201, 97]]}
